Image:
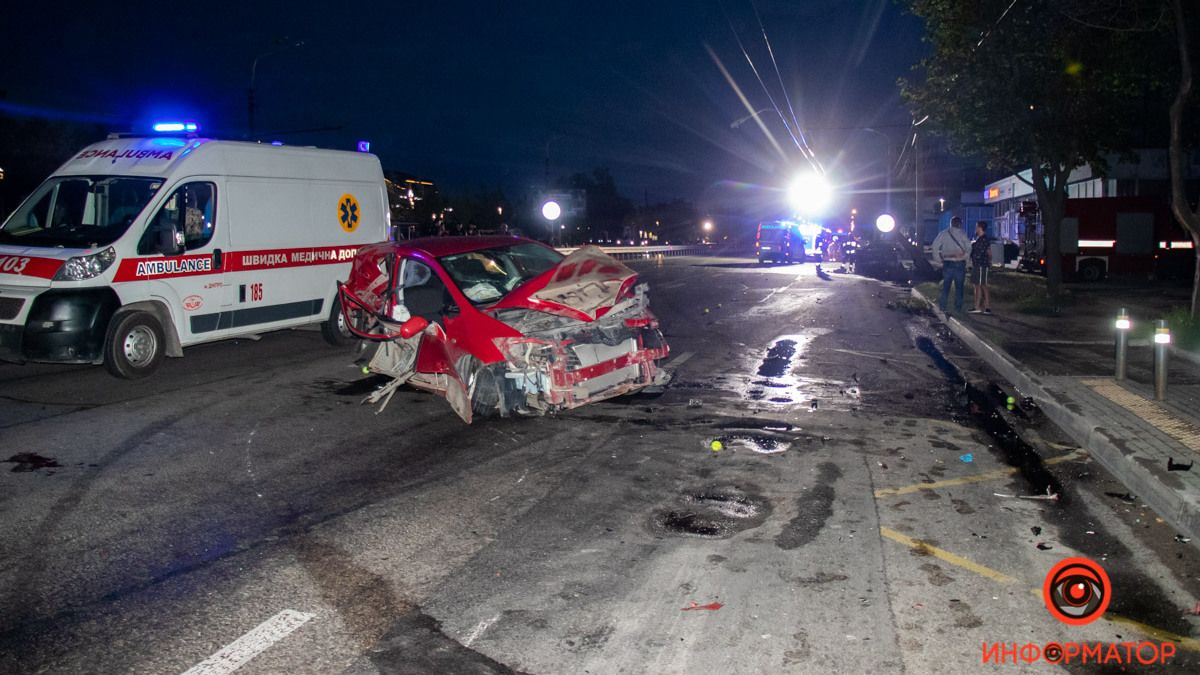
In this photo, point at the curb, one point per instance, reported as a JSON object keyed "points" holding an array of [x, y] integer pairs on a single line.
{"points": [[1180, 511]]}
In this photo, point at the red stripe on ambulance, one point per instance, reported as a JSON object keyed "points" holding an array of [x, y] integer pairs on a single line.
{"points": [[141, 269], [28, 266], [244, 261]]}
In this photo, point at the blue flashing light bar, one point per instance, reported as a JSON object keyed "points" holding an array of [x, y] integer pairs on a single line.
{"points": [[175, 127], [364, 146]]}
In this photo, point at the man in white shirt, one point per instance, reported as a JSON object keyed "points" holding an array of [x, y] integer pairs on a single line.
{"points": [[950, 249]]}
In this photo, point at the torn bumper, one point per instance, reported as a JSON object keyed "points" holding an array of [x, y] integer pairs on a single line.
{"points": [[574, 370]]}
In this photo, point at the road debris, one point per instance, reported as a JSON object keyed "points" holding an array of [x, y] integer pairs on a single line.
{"points": [[1049, 496], [695, 403], [1043, 546], [967, 458], [1035, 530], [1126, 497], [712, 606], [1172, 465], [1182, 539]]}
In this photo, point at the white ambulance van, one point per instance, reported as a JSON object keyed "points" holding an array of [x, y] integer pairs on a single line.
{"points": [[140, 246]]}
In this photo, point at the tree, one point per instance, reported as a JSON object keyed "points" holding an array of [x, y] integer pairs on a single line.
{"points": [[32, 148], [1028, 85], [1185, 211], [606, 208]]}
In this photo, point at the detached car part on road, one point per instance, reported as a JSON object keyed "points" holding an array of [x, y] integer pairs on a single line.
{"points": [[503, 325]]}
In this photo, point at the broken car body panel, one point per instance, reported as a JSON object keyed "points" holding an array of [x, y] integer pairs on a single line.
{"points": [[513, 326]]}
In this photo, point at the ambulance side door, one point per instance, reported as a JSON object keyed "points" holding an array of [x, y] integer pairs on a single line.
{"points": [[193, 276]]}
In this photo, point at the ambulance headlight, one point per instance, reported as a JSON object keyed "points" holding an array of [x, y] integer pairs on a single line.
{"points": [[82, 267]]}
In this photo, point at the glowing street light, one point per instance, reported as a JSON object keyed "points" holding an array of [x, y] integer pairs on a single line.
{"points": [[708, 226], [551, 210], [809, 194], [885, 223]]}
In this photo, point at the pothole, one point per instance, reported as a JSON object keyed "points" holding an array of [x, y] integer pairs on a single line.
{"points": [[759, 443], [713, 512]]}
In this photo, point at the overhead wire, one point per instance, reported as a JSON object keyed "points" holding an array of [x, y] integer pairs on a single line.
{"points": [[805, 151], [779, 76]]}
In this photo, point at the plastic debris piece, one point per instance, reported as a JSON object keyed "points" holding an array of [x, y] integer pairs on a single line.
{"points": [[712, 606], [1172, 465], [695, 403], [967, 458], [1049, 497], [1182, 539]]}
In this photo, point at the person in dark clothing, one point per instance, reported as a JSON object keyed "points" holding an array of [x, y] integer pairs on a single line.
{"points": [[981, 261]]}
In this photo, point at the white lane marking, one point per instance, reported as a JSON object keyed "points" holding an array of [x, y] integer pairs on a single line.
{"points": [[235, 654], [679, 360], [478, 630]]}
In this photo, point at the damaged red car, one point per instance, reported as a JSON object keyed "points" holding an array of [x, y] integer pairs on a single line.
{"points": [[502, 325]]}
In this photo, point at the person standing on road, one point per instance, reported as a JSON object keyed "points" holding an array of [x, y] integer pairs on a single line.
{"points": [[981, 260], [950, 249]]}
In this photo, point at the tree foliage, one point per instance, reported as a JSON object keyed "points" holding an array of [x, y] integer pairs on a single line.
{"points": [[1047, 85]]}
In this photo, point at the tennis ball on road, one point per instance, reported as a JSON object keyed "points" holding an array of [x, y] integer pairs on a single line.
{"points": [[366, 370], [716, 446]]}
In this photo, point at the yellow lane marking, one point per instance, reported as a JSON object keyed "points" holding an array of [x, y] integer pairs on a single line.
{"points": [[949, 557], [1158, 416], [977, 478], [1188, 643]]}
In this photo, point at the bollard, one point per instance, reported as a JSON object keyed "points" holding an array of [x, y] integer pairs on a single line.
{"points": [[1162, 340], [1123, 326]]}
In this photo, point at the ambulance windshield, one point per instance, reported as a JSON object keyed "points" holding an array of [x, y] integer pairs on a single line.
{"points": [[79, 211]]}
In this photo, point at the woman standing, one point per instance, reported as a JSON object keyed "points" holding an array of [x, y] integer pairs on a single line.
{"points": [[981, 260]]}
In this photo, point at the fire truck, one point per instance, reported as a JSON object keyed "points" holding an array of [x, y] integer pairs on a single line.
{"points": [[1131, 236]]}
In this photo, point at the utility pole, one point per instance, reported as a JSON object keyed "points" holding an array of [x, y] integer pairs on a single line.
{"points": [[917, 177]]}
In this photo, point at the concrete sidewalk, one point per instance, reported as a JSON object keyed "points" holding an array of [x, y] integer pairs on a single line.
{"points": [[1143, 442]]}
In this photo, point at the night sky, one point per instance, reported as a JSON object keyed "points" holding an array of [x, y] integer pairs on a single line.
{"points": [[469, 94]]}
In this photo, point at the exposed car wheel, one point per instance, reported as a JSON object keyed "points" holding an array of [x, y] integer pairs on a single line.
{"points": [[334, 329], [135, 345], [484, 388]]}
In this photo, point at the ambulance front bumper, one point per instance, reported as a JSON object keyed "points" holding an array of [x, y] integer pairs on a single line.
{"points": [[67, 326]]}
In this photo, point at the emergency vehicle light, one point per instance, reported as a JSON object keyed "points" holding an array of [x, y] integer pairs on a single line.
{"points": [[175, 127]]}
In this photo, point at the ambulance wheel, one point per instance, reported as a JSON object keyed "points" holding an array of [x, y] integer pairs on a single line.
{"points": [[135, 345], [334, 329]]}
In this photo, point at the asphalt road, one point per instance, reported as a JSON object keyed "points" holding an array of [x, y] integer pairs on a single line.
{"points": [[857, 517]]}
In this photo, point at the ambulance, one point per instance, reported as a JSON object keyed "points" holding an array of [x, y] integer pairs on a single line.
{"points": [[140, 246]]}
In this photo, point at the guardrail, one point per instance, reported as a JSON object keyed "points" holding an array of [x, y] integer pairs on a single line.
{"points": [[646, 252]]}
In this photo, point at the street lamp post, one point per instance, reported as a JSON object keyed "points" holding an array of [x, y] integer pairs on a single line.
{"points": [[917, 178], [253, 76], [887, 151]]}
